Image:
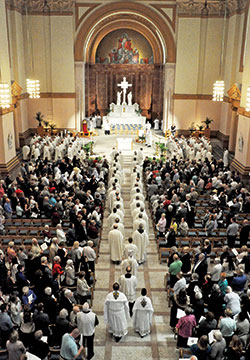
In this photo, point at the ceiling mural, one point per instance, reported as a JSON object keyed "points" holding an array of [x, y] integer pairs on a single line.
{"points": [[124, 46]]}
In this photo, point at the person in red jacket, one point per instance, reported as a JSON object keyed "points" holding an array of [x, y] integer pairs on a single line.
{"points": [[57, 269]]}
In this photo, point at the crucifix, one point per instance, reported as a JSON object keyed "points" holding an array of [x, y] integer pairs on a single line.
{"points": [[124, 85]]}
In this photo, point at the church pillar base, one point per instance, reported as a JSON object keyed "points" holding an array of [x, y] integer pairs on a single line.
{"points": [[10, 168], [244, 171]]}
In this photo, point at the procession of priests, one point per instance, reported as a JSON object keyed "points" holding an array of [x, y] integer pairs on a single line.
{"points": [[54, 148], [121, 304]]}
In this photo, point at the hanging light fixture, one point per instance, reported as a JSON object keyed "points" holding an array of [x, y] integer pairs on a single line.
{"points": [[32, 85], [33, 88], [219, 85], [218, 90], [4, 96], [248, 99]]}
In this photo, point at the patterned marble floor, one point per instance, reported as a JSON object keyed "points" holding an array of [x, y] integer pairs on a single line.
{"points": [[160, 344]]}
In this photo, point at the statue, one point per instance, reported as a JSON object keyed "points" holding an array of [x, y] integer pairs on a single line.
{"points": [[130, 98], [118, 101]]}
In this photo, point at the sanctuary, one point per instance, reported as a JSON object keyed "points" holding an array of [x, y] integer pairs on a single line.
{"points": [[125, 112]]}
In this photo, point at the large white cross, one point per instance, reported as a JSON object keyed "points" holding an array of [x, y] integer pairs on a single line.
{"points": [[124, 85]]}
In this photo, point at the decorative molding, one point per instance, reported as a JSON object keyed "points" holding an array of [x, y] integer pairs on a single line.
{"points": [[214, 7], [243, 170], [8, 110], [234, 92], [45, 7], [9, 167], [16, 91], [191, 97], [160, 8], [45, 95], [78, 20], [58, 95], [133, 14]]}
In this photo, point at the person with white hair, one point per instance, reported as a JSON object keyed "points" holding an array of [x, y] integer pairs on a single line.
{"points": [[60, 234], [90, 254], [70, 273], [217, 269], [86, 323], [232, 301]]}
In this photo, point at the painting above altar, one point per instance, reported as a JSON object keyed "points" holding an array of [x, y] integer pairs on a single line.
{"points": [[124, 47]]}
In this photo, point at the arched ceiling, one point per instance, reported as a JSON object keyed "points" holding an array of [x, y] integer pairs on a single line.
{"points": [[129, 15]]}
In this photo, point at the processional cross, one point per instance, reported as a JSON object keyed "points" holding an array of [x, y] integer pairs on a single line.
{"points": [[124, 85]]}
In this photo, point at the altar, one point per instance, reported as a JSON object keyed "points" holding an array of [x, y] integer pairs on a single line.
{"points": [[124, 144], [125, 112]]}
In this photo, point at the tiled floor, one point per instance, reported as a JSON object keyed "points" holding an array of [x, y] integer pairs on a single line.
{"points": [[160, 344]]}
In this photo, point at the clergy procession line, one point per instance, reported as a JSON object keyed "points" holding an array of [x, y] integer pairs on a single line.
{"points": [[121, 303]]}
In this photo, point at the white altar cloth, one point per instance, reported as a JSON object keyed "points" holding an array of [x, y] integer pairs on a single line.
{"points": [[124, 144]]}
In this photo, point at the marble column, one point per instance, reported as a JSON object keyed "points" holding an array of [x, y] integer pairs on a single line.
{"points": [[80, 93], [168, 102], [241, 161], [233, 131]]}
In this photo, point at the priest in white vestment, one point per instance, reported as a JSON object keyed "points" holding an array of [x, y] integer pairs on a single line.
{"points": [[26, 151], [128, 284], [143, 314], [139, 220], [112, 217], [131, 249], [140, 239], [116, 244], [116, 313], [130, 261]]}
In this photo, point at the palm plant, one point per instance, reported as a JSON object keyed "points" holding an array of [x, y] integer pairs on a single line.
{"points": [[52, 127], [207, 122], [39, 117]]}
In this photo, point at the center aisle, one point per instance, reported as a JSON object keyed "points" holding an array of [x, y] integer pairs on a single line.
{"points": [[160, 344]]}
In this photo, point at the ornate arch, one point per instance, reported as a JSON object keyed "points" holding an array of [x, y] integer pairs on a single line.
{"points": [[125, 15]]}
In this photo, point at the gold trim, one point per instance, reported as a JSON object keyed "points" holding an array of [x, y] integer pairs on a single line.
{"points": [[6, 111], [51, 95], [14, 162], [243, 170]]}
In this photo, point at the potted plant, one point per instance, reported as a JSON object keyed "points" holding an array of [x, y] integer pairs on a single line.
{"points": [[39, 118], [162, 147], [52, 127], [207, 129], [192, 129], [200, 127], [88, 148], [46, 124]]}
